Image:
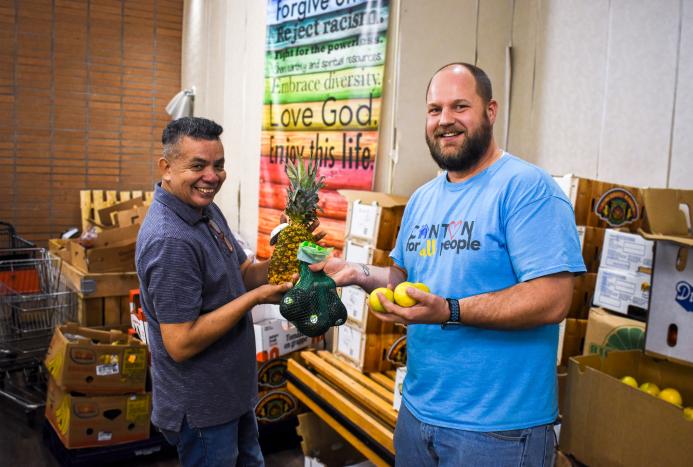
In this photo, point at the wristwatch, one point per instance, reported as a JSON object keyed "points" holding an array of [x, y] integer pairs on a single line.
{"points": [[454, 321]]}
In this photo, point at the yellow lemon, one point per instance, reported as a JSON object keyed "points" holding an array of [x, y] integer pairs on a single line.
{"points": [[688, 413], [630, 381], [671, 395], [401, 297], [374, 301], [422, 286], [650, 388]]}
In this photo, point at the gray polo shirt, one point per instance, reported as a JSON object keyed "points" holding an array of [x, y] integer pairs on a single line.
{"points": [[185, 271]]}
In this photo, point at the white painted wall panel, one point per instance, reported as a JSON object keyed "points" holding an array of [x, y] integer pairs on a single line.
{"points": [[494, 36], [636, 130], [569, 88], [432, 33], [681, 172], [521, 131]]}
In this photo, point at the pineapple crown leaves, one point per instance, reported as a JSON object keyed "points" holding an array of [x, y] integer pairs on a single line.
{"points": [[302, 192]]}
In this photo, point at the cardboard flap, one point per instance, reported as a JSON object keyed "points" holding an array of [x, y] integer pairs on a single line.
{"points": [[117, 236], [383, 199], [666, 219]]}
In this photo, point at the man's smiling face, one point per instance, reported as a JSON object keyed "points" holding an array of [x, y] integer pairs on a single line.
{"points": [[196, 172]]}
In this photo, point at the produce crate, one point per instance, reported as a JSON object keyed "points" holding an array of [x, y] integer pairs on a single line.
{"points": [[91, 201]]}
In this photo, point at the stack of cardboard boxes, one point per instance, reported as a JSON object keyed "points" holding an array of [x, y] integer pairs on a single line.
{"points": [[373, 221], [102, 270], [607, 422], [96, 390]]}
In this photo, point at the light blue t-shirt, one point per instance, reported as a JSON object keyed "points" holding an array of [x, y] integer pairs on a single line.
{"points": [[508, 224]]}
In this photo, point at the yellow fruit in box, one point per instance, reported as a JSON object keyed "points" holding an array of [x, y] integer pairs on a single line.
{"points": [[630, 381], [671, 395], [374, 301], [688, 413], [650, 388]]}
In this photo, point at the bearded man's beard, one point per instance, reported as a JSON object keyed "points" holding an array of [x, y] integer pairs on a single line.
{"points": [[468, 155]]}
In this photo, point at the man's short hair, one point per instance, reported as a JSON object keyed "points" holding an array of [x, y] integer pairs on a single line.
{"points": [[193, 127], [483, 83]]}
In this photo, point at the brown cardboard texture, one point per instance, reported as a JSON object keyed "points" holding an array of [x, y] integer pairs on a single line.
{"points": [[573, 339], [608, 423], [113, 251], [603, 204], [95, 421], [107, 216], [666, 220], [378, 226], [592, 239], [670, 320], [96, 362], [607, 332]]}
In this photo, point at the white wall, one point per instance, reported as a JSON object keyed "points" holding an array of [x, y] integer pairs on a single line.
{"points": [[599, 88]]}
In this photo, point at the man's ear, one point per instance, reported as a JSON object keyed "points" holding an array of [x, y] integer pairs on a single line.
{"points": [[491, 111], [165, 169]]}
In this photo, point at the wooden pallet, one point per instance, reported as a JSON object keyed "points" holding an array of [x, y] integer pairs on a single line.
{"points": [[91, 201], [355, 405]]}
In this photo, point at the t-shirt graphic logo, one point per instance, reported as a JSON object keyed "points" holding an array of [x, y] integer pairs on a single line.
{"points": [[435, 239], [684, 297]]}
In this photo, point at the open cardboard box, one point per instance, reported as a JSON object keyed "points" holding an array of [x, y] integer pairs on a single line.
{"points": [[96, 362], [608, 423], [670, 319], [374, 217], [112, 251], [94, 421]]}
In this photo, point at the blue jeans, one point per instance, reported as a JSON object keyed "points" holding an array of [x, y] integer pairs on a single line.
{"points": [[230, 444], [420, 444]]}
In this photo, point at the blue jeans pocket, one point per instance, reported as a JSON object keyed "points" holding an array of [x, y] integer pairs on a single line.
{"points": [[509, 435]]}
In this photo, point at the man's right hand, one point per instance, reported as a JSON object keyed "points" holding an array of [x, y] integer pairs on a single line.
{"points": [[341, 272], [269, 293]]}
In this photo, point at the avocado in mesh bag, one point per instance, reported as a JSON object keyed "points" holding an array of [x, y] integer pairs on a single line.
{"points": [[312, 305]]}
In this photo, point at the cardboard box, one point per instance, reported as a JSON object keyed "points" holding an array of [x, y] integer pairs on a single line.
{"points": [[124, 213], [608, 423], [591, 242], [275, 406], [603, 204], [322, 445], [573, 339], [357, 251], [607, 332], [365, 351], [399, 385], [583, 294], [624, 277], [374, 217], [95, 421], [113, 251], [670, 320], [276, 337], [96, 362]]}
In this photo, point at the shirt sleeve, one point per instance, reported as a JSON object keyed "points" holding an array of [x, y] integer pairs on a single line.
{"points": [[542, 239], [173, 280]]}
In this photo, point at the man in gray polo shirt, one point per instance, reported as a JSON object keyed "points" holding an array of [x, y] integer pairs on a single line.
{"points": [[197, 287]]}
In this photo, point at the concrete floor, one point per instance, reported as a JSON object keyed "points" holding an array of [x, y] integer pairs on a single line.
{"points": [[22, 444]]}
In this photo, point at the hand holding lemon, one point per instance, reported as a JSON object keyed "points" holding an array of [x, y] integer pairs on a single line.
{"points": [[374, 300], [399, 296]]}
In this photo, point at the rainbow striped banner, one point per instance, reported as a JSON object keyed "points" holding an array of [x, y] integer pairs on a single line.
{"points": [[324, 66], [367, 19], [344, 53], [329, 114]]}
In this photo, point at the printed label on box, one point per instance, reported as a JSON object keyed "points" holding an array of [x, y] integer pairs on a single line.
{"points": [[356, 253], [107, 370], [104, 436], [363, 220], [354, 299], [137, 409], [349, 342], [134, 361]]}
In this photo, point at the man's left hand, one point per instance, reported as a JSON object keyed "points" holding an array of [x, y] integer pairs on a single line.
{"points": [[430, 309]]}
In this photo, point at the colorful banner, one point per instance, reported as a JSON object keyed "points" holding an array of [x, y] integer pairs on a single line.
{"points": [[324, 66]]}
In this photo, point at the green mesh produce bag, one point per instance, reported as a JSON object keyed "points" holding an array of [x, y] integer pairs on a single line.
{"points": [[312, 305]]}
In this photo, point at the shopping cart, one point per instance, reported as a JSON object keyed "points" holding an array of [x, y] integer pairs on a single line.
{"points": [[33, 300]]}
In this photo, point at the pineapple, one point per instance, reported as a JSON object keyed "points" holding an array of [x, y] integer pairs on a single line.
{"points": [[301, 209]]}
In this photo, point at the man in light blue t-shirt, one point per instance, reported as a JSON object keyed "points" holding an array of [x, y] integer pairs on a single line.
{"points": [[495, 240]]}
